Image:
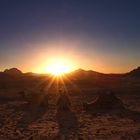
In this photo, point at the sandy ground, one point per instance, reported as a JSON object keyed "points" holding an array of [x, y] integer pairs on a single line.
{"points": [[19, 121]]}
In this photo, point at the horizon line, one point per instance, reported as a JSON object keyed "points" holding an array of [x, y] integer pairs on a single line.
{"points": [[71, 71]]}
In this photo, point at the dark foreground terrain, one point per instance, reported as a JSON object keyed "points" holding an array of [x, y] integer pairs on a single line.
{"points": [[21, 120]]}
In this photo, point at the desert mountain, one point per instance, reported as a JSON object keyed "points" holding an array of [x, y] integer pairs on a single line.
{"points": [[83, 74], [13, 71], [135, 72], [78, 74]]}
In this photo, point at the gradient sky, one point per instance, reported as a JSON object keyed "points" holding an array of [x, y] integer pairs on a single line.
{"points": [[102, 35]]}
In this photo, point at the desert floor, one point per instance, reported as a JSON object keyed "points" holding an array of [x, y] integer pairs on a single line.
{"points": [[20, 121]]}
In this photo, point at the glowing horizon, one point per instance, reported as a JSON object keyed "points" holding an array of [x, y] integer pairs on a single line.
{"points": [[44, 58], [68, 50]]}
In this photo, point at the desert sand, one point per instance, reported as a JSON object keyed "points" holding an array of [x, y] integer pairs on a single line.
{"points": [[22, 119], [19, 121]]}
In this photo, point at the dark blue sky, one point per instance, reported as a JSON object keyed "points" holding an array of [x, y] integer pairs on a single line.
{"points": [[108, 32]]}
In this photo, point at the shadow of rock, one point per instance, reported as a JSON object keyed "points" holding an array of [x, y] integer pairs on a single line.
{"points": [[120, 113], [31, 115], [68, 123], [133, 115]]}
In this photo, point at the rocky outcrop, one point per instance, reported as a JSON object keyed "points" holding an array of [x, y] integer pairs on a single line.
{"points": [[13, 71]]}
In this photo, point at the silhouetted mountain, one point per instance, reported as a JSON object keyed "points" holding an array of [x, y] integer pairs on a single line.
{"points": [[13, 71], [77, 74], [135, 72], [83, 74]]}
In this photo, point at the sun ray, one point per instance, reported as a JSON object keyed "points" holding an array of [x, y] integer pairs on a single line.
{"points": [[72, 84], [63, 83], [48, 86]]}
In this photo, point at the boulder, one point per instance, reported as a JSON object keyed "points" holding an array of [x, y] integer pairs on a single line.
{"points": [[104, 102]]}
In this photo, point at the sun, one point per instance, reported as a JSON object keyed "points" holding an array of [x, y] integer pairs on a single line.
{"points": [[58, 68]]}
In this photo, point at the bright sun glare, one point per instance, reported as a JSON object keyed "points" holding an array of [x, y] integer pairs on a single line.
{"points": [[58, 68]]}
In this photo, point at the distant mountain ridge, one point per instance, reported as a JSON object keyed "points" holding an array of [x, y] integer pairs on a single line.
{"points": [[79, 73], [82, 74], [13, 71], [135, 72]]}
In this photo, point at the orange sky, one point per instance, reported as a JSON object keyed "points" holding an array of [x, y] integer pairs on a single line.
{"points": [[37, 57], [92, 35]]}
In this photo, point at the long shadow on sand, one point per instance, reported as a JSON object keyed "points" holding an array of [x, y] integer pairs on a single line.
{"points": [[68, 123], [133, 115], [120, 113], [31, 115]]}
